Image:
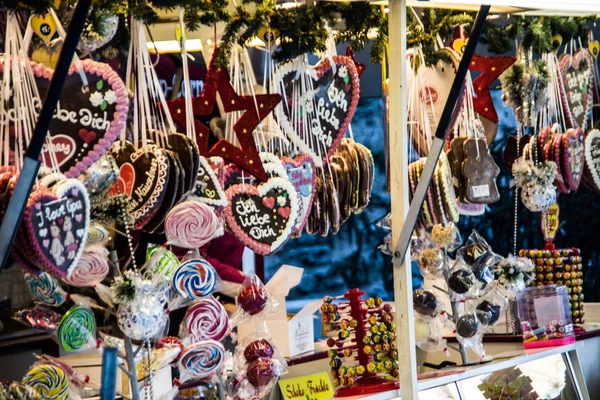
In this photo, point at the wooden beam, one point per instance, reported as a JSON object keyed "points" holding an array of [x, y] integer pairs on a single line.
{"points": [[398, 155]]}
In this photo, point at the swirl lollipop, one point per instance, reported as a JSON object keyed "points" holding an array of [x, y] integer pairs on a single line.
{"points": [[46, 289], [166, 264], [77, 328], [39, 317], [202, 359], [195, 279], [192, 224], [206, 319], [49, 381], [90, 270]]}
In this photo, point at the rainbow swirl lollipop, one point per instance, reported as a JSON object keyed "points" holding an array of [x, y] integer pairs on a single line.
{"points": [[77, 328], [195, 279], [39, 317], [46, 289], [49, 381], [202, 359], [206, 319]]}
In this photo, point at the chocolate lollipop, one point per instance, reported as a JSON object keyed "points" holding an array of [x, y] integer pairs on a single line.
{"points": [[488, 313], [467, 325], [461, 281], [258, 349], [425, 302], [261, 371]]}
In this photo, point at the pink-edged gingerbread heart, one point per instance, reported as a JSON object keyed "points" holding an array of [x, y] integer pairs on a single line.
{"points": [[88, 119], [262, 225], [573, 157], [302, 174], [56, 223], [143, 177], [576, 90], [330, 109]]}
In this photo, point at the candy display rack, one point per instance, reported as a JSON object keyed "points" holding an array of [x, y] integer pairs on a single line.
{"points": [[367, 329]]}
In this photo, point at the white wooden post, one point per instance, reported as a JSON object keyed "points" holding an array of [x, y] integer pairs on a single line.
{"points": [[398, 155]]}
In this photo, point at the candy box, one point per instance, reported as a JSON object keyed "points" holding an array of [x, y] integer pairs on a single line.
{"points": [[292, 336], [545, 316]]}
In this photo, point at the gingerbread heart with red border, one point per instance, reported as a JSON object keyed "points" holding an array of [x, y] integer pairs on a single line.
{"points": [[573, 157], [143, 177], [208, 188], [301, 173], [576, 88], [262, 217], [56, 222], [88, 119], [335, 99]]}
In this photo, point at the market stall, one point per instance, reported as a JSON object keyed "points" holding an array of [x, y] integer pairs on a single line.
{"points": [[139, 193]]}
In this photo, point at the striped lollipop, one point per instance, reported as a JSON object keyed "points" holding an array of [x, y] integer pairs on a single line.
{"points": [[206, 319], [49, 381], [202, 359], [77, 328], [195, 279], [46, 289]]}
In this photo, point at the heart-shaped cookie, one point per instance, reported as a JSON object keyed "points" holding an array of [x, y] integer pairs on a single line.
{"points": [[301, 173], [208, 188], [576, 90], [330, 107], [573, 157], [88, 119], [143, 176], [592, 157], [52, 221], [262, 227]]}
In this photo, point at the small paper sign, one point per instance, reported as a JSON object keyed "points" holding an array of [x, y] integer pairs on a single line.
{"points": [[550, 222], [309, 387]]}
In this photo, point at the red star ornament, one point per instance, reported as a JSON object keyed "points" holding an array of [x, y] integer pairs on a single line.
{"points": [[491, 68], [360, 67], [256, 109]]}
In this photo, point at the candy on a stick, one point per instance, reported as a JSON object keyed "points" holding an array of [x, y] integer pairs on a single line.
{"points": [[192, 224], [46, 289]]}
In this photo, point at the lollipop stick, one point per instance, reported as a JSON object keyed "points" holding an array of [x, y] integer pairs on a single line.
{"points": [[220, 387]]}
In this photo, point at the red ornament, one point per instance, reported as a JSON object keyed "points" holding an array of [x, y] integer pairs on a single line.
{"points": [[491, 68], [256, 109], [360, 67]]}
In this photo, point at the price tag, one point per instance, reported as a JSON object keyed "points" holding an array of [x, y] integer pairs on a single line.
{"points": [[44, 26], [481, 191], [309, 387], [550, 222]]}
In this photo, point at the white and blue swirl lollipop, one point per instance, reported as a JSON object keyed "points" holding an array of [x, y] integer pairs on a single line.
{"points": [[195, 279], [46, 289]]}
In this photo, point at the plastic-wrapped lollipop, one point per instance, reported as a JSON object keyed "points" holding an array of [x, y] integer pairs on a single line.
{"points": [[167, 262], [17, 391], [77, 329], [192, 224], [257, 365], [428, 335], [433, 262], [46, 289], [253, 302], [170, 342], [469, 333], [49, 381], [201, 359], [426, 303], [477, 252], [489, 308], [160, 359], [205, 319], [91, 268], [195, 279], [446, 237], [39, 318], [461, 282]]}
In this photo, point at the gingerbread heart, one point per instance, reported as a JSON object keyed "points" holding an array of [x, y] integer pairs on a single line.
{"points": [[143, 177], [301, 173], [573, 157], [330, 109], [262, 228], [592, 157], [208, 188], [576, 90], [56, 223], [88, 119]]}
